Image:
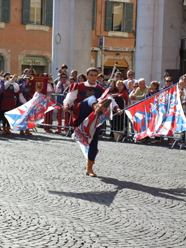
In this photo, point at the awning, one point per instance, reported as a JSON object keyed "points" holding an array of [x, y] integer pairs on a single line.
{"points": [[111, 62]]}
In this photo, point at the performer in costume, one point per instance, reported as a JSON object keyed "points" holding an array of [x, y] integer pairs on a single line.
{"points": [[25, 87], [12, 89], [84, 95]]}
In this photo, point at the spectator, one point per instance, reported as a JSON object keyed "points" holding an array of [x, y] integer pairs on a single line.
{"points": [[62, 84], [130, 76], [135, 86], [74, 74], [81, 78], [182, 92], [118, 76], [154, 88], [99, 70], [49, 115], [130, 86], [162, 82], [101, 79], [168, 82], [121, 99], [141, 91]]}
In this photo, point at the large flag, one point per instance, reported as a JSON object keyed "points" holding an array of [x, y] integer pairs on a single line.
{"points": [[29, 114], [158, 115], [84, 133]]}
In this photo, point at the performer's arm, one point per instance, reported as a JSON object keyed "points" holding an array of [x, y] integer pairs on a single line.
{"points": [[70, 98], [21, 98], [16, 87], [115, 107]]}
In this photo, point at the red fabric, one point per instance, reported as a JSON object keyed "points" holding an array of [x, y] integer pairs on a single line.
{"points": [[76, 108], [59, 119], [8, 100], [124, 94], [48, 120]]}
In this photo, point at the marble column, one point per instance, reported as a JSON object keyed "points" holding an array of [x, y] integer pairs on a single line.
{"points": [[71, 37], [158, 38]]}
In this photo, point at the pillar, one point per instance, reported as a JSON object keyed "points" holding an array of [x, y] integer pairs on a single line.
{"points": [[158, 38], [71, 37]]}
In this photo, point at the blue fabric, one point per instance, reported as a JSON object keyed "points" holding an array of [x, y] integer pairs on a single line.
{"points": [[85, 110]]}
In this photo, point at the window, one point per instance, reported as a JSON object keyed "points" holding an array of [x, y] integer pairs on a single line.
{"points": [[37, 12], [4, 10], [119, 16]]}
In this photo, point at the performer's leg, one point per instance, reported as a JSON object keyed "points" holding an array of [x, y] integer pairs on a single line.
{"points": [[93, 148], [59, 120], [86, 108], [66, 121]]}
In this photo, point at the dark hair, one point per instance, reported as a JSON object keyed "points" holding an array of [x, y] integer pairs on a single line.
{"points": [[91, 69], [72, 78], [64, 66], [169, 77], [83, 76], [63, 74], [101, 75], [156, 84]]}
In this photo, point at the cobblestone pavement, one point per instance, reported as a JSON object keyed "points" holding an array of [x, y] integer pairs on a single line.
{"points": [[138, 199]]}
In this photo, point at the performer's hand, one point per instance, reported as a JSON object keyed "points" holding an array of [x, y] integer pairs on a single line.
{"points": [[119, 111], [1, 73], [132, 97], [65, 107], [14, 78]]}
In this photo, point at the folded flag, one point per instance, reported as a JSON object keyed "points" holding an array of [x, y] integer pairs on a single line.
{"points": [[158, 115], [2, 85]]}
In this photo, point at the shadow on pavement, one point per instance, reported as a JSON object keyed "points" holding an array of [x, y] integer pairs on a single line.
{"points": [[172, 194], [103, 198], [37, 137]]}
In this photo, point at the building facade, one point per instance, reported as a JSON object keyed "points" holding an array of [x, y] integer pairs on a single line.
{"points": [[25, 35], [113, 34], [148, 36]]}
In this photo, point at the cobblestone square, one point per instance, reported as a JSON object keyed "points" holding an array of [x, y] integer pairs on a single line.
{"points": [[138, 199]]}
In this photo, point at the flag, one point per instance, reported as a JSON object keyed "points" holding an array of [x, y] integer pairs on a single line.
{"points": [[84, 133], [2, 85], [158, 115], [29, 114], [54, 106]]}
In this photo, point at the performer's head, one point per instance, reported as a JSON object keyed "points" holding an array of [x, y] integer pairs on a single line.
{"points": [[92, 74]]}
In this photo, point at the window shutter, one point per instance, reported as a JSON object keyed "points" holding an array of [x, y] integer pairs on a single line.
{"points": [[93, 14], [26, 12], [5, 10], [108, 16], [129, 17], [49, 12]]}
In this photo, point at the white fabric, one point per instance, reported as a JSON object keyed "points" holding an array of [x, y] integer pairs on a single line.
{"points": [[127, 80], [58, 87]]}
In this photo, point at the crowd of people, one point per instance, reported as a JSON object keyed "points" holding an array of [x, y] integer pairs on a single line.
{"points": [[125, 92]]}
